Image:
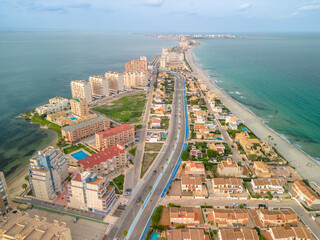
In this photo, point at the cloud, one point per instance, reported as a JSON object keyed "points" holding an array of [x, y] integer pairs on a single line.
{"points": [[155, 3], [306, 9], [244, 7]]}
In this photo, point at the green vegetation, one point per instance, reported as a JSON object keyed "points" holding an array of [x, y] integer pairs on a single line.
{"points": [[180, 226], [24, 186], [133, 151], [127, 109], [119, 181], [43, 122], [148, 158], [74, 148], [115, 187], [125, 233], [153, 147], [174, 205], [165, 123], [184, 155], [155, 218]]}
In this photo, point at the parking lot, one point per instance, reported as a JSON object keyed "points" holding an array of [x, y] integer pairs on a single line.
{"points": [[81, 230]]}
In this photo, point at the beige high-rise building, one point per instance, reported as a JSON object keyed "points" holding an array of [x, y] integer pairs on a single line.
{"points": [[89, 192], [115, 81], [48, 170], [99, 85], [81, 89], [20, 226], [79, 107], [135, 79], [137, 65], [4, 196]]}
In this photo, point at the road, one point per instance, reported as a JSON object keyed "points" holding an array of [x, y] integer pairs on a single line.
{"points": [[128, 216]]}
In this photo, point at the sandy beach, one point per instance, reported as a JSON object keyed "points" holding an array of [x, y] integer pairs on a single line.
{"points": [[302, 163]]}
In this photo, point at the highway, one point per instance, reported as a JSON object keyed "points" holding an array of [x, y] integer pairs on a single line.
{"points": [[135, 212]]}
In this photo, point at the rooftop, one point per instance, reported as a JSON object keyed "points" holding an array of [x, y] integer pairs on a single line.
{"points": [[113, 131], [84, 124]]}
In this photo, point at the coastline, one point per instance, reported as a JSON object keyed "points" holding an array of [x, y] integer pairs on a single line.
{"points": [[302, 163]]}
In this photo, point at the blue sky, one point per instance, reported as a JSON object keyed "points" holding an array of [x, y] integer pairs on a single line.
{"points": [[162, 15]]}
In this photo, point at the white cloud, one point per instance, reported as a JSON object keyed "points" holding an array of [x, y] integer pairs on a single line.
{"points": [[153, 2], [244, 6], [305, 9]]}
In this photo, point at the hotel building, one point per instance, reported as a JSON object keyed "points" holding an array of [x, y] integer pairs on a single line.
{"points": [[81, 89], [4, 196], [85, 129], [137, 65], [48, 170], [89, 192], [79, 107], [22, 227], [135, 79], [115, 81], [105, 162], [122, 134], [99, 85]]}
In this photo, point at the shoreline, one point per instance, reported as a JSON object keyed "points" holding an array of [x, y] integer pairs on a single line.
{"points": [[303, 164]]}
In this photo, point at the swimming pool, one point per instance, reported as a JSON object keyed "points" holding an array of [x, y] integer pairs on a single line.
{"points": [[79, 155], [155, 236], [244, 129], [219, 138], [164, 136], [73, 118]]}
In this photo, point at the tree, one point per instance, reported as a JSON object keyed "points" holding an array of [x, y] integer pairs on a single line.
{"points": [[150, 187], [211, 153], [26, 178], [24, 186], [125, 233], [184, 155], [180, 226]]}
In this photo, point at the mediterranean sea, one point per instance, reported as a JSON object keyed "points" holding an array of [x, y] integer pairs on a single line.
{"points": [[38, 65], [275, 76]]}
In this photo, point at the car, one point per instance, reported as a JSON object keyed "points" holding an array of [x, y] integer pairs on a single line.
{"points": [[262, 205], [128, 190], [245, 205], [232, 146], [139, 199], [154, 171], [75, 220], [235, 204]]}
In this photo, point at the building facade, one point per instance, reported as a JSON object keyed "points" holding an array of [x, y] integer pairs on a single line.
{"points": [[227, 185], [115, 81], [229, 168], [280, 217], [229, 217], [265, 186], [186, 234], [79, 107], [137, 65], [190, 183], [184, 215], [4, 196], [99, 85], [135, 79], [48, 170], [56, 104], [305, 193], [81, 89]]}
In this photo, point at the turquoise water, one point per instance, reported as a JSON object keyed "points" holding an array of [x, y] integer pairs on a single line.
{"points": [[79, 155], [276, 77], [73, 118], [36, 66], [155, 236]]}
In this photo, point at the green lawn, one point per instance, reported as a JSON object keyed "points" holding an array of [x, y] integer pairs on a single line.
{"points": [[119, 181], [165, 123], [126, 109], [37, 119], [77, 147]]}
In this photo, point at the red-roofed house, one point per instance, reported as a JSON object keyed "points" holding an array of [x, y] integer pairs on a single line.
{"points": [[305, 193], [184, 215], [228, 217], [155, 122], [122, 134], [229, 168], [108, 160], [195, 152]]}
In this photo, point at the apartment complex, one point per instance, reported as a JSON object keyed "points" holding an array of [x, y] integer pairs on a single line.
{"points": [[79, 107], [184, 234], [20, 226], [282, 233], [229, 217], [184, 215], [48, 170], [237, 234], [137, 65], [305, 193], [99, 85], [81, 89], [56, 104], [115, 81], [190, 183], [85, 129], [229, 168], [4, 196], [122, 134], [107, 161], [265, 186], [92, 193], [227, 185], [135, 79], [277, 217]]}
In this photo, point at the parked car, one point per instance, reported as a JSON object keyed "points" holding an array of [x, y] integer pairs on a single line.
{"points": [[75, 220], [262, 205], [139, 199], [245, 205], [235, 204]]}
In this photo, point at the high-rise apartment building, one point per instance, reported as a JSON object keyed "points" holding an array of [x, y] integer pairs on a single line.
{"points": [[4, 196], [135, 79], [81, 89], [99, 85], [48, 170], [115, 81], [79, 107], [89, 192], [137, 65]]}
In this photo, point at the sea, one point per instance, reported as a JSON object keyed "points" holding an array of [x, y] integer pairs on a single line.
{"points": [[276, 76], [38, 65]]}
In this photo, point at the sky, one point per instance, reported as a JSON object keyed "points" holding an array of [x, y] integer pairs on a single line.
{"points": [[183, 16]]}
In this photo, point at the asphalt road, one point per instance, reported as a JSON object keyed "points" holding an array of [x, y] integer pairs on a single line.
{"points": [[128, 216]]}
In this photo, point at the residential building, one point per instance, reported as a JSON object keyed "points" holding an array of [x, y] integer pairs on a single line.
{"points": [[122, 134], [79, 107], [305, 193], [227, 185], [265, 186], [291, 233], [115, 81], [135, 79], [81, 89], [85, 129], [184, 215], [195, 168], [262, 170], [238, 234], [89, 192], [229, 168], [155, 122], [55, 105], [280, 217], [189, 183], [186, 234], [196, 152], [160, 111], [99, 85], [228, 217], [4, 196], [22, 227], [109, 160], [137, 65], [219, 147], [47, 171]]}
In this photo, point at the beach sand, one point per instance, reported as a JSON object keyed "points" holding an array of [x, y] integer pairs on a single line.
{"points": [[302, 163]]}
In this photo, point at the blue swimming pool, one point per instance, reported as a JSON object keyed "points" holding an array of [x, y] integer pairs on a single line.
{"points": [[73, 118], [219, 138], [79, 155], [155, 236], [164, 136], [244, 129]]}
